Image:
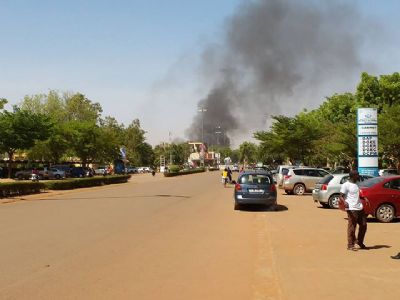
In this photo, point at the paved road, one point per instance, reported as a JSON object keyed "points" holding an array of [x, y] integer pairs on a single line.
{"points": [[179, 238]]}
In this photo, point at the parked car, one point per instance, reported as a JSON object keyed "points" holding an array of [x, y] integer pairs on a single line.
{"points": [[78, 172], [54, 173], [301, 180], [131, 170], [65, 168], [42, 173], [144, 170], [388, 172], [327, 191], [281, 171], [381, 197], [100, 170], [255, 187], [235, 168], [23, 174]]}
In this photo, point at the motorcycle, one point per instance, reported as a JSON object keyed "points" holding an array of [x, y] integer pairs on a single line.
{"points": [[34, 178]]}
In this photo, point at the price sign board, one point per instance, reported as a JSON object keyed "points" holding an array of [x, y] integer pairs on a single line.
{"points": [[367, 131]]}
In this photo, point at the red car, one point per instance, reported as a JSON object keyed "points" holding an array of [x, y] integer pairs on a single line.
{"points": [[381, 197]]}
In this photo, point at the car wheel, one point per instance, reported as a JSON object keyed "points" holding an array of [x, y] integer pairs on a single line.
{"points": [[334, 201], [57, 176], [299, 189], [237, 206], [385, 213]]}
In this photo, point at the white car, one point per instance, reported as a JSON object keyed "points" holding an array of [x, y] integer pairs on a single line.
{"points": [[100, 170], [144, 170], [235, 168]]}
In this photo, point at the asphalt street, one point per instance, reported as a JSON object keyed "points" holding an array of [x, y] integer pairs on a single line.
{"points": [[179, 238]]}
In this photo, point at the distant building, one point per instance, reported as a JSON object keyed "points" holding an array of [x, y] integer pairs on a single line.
{"points": [[200, 155]]}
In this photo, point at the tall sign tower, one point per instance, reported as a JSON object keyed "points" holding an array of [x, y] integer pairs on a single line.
{"points": [[367, 132]]}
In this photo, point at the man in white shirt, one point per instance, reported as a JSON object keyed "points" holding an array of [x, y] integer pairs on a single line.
{"points": [[350, 196]]}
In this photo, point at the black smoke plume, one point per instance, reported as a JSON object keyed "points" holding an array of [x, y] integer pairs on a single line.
{"points": [[277, 57]]}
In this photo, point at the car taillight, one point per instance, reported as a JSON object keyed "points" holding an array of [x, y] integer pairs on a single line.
{"points": [[273, 188], [238, 187], [324, 187], [287, 176]]}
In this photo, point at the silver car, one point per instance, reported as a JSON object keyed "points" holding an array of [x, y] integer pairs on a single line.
{"points": [[281, 171], [54, 173], [327, 191], [301, 180]]}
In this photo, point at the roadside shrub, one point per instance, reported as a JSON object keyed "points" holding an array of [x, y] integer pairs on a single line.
{"points": [[173, 168], [185, 172], [69, 184], [9, 189]]}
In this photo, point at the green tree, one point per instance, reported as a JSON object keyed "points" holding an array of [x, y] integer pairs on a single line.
{"points": [[3, 101], [389, 135], [20, 130], [248, 153], [138, 151], [85, 140]]}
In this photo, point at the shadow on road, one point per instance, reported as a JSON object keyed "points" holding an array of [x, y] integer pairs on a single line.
{"points": [[258, 208], [377, 247]]}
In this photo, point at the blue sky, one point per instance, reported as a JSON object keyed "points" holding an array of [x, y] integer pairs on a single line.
{"points": [[137, 58]]}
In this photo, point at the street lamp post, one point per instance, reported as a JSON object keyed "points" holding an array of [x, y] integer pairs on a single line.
{"points": [[218, 132], [202, 110]]}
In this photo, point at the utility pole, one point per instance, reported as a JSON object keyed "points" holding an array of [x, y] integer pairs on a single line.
{"points": [[202, 110]]}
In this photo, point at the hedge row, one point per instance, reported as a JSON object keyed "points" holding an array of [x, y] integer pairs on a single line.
{"points": [[184, 172], [69, 184], [9, 189]]}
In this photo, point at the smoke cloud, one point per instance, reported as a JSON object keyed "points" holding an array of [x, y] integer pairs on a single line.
{"points": [[277, 57]]}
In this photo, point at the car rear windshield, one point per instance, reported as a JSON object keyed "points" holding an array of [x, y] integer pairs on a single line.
{"points": [[254, 179], [370, 182], [326, 179]]}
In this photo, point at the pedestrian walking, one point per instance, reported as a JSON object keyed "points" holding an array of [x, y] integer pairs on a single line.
{"points": [[229, 174], [224, 177], [350, 202]]}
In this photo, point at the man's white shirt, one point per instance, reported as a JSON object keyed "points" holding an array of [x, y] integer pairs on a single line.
{"points": [[351, 193]]}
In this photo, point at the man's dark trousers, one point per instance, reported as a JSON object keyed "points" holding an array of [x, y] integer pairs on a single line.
{"points": [[356, 217]]}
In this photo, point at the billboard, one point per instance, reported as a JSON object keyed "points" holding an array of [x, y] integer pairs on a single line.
{"points": [[367, 136]]}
